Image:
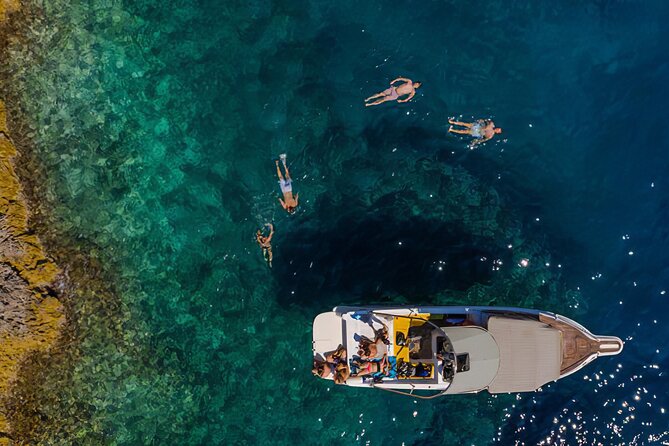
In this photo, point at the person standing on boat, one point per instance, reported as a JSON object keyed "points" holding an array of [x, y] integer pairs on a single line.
{"points": [[289, 203], [482, 130], [408, 87], [266, 243]]}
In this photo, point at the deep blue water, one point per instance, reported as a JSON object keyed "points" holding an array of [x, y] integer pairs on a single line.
{"points": [[157, 125]]}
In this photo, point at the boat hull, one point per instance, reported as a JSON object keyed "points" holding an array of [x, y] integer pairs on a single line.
{"points": [[457, 349]]}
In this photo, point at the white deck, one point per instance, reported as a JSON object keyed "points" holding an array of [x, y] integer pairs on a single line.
{"points": [[530, 354], [328, 334], [483, 358]]}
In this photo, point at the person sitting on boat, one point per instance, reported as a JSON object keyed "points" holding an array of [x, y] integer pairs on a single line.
{"points": [[482, 130], [369, 367], [327, 367], [386, 368], [341, 373], [371, 350], [374, 350], [266, 243], [289, 202], [408, 87]]}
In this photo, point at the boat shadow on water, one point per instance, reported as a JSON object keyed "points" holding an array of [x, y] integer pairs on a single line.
{"points": [[364, 260]]}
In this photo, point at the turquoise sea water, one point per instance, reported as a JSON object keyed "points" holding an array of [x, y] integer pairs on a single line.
{"points": [[153, 129]]}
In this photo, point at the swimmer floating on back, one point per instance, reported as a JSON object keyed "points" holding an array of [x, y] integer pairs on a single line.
{"points": [[394, 93], [289, 203], [266, 243], [482, 130]]}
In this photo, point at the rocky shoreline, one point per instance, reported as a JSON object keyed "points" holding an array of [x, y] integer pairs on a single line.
{"points": [[30, 313]]}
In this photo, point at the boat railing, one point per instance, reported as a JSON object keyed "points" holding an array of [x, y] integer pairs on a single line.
{"points": [[413, 395]]}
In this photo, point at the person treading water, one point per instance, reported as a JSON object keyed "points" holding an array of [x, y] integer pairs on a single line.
{"points": [[289, 203], [482, 130], [408, 87]]}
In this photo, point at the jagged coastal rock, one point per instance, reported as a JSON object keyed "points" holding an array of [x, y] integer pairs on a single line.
{"points": [[30, 313]]}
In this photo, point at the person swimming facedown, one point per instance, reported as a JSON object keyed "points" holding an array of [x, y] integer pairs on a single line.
{"points": [[289, 202], [408, 87], [266, 243]]}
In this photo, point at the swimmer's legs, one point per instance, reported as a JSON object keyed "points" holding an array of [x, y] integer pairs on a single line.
{"points": [[377, 102], [462, 124], [377, 95], [459, 131], [278, 171], [268, 256]]}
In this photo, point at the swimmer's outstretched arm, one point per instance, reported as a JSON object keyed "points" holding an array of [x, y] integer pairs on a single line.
{"points": [[297, 197], [283, 205], [403, 79], [271, 232]]}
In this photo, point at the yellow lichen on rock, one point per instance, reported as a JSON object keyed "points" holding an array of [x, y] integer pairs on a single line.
{"points": [[31, 315], [3, 118], [27, 256], [42, 331], [7, 6]]}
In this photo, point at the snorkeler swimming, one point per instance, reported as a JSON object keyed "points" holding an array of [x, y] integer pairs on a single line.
{"points": [[408, 87], [289, 202], [266, 243], [482, 130]]}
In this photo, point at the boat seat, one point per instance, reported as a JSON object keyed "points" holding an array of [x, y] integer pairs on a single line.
{"points": [[328, 333]]}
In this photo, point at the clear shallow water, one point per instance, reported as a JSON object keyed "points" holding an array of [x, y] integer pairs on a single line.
{"points": [[155, 129]]}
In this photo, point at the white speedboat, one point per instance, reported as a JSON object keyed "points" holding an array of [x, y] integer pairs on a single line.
{"points": [[452, 350]]}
